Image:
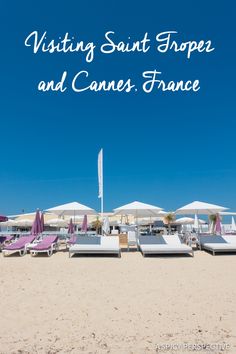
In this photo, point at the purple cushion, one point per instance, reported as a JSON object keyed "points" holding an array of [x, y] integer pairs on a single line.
{"points": [[46, 243], [20, 244]]}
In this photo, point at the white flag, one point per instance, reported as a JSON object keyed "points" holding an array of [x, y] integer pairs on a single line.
{"points": [[100, 174]]}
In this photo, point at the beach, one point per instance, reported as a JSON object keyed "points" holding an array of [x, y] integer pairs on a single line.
{"points": [[117, 305]]}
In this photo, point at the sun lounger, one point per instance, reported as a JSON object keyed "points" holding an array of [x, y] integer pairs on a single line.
{"points": [[96, 245], [47, 245], [166, 244], [218, 244], [19, 246]]}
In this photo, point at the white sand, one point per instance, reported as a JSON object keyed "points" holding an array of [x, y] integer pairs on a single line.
{"points": [[112, 305]]}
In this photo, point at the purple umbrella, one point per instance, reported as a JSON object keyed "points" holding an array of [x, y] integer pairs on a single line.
{"points": [[42, 222], [85, 224], [3, 218], [36, 227], [71, 229], [218, 224]]}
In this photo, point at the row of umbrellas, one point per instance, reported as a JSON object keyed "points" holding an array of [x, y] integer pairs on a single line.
{"points": [[38, 224], [137, 209]]}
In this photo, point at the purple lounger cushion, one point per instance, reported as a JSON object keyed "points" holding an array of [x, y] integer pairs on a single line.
{"points": [[45, 244], [3, 239], [20, 244], [6, 238]]}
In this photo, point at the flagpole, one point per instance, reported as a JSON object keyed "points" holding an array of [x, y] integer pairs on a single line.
{"points": [[102, 203], [100, 181]]}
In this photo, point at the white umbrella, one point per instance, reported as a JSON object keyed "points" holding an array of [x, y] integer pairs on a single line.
{"points": [[187, 221], [8, 223], [56, 222], [72, 209], [200, 208], [233, 225], [24, 222], [106, 225], [77, 219], [162, 213], [227, 213], [138, 209]]}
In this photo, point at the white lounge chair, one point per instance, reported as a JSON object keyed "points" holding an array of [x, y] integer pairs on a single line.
{"points": [[96, 245], [166, 244], [230, 238], [218, 244], [131, 239]]}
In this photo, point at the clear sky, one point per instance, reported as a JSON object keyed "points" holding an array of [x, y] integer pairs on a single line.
{"points": [[166, 149]]}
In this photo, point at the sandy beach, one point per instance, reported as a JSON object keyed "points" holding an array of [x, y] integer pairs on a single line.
{"points": [[111, 305]]}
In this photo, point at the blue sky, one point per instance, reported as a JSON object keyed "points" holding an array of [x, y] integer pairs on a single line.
{"points": [[166, 149]]}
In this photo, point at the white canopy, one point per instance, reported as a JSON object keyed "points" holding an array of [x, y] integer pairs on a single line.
{"points": [[24, 222], [200, 208], [72, 209], [162, 213], [8, 223], [187, 221], [77, 219], [56, 222], [138, 209], [225, 213]]}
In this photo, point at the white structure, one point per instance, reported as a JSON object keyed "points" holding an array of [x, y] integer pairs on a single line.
{"points": [[72, 209], [138, 209], [201, 208], [56, 222]]}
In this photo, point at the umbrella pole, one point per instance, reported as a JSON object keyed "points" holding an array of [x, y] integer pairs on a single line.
{"points": [[198, 236], [136, 217]]}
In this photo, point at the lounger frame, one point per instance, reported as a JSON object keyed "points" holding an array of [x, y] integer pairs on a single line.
{"points": [[87, 248], [54, 247], [21, 251], [165, 251], [217, 244], [218, 250], [71, 252], [169, 249]]}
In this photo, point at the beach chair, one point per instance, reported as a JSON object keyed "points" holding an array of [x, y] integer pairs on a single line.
{"points": [[96, 245], [19, 245], [47, 245], [166, 244], [218, 244], [131, 239]]}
